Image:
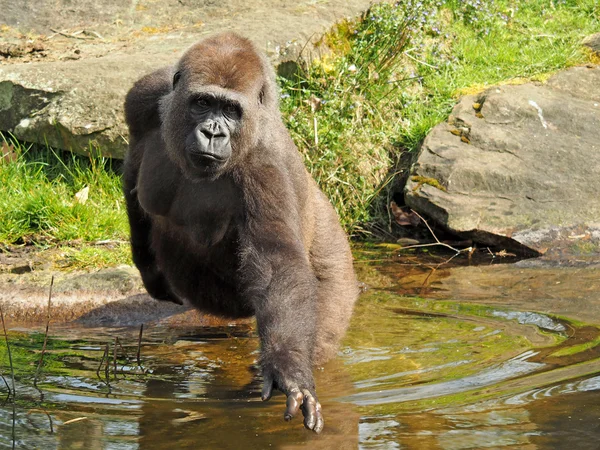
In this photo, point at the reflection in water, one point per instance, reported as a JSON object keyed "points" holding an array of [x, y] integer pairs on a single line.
{"points": [[530, 318], [378, 432], [510, 369], [478, 359]]}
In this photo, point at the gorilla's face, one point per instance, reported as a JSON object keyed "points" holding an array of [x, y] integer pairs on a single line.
{"points": [[211, 118], [216, 120], [204, 126]]}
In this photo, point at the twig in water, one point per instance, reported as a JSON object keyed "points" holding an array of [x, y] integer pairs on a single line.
{"points": [[101, 362], [139, 362], [115, 358], [106, 363], [12, 375], [437, 241], [41, 361], [12, 370], [107, 368], [78, 419], [6, 383], [104, 360], [123, 350]]}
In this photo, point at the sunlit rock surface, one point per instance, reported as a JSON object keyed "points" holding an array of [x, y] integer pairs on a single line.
{"points": [[68, 90], [517, 166]]}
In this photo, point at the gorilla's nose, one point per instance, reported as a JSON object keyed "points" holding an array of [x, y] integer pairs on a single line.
{"points": [[211, 129]]}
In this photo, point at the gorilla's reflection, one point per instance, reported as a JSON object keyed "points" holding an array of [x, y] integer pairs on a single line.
{"points": [[227, 413]]}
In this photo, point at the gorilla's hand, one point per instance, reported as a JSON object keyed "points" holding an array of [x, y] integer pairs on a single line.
{"points": [[298, 397]]}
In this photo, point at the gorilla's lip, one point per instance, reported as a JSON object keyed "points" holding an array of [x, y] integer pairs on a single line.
{"points": [[205, 155]]}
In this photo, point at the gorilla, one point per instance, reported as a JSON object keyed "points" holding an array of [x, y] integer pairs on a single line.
{"points": [[224, 215]]}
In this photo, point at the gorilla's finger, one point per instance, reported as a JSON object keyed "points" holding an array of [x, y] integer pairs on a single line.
{"points": [[292, 404], [267, 389], [309, 409], [320, 422]]}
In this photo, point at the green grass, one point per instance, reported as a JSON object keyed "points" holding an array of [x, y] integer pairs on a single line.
{"points": [[38, 203], [372, 93]]}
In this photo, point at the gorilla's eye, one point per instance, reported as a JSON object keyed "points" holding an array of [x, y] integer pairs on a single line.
{"points": [[203, 103], [176, 78], [200, 105], [232, 111]]}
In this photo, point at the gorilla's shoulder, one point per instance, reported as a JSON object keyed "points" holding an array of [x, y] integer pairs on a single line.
{"points": [[141, 103]]}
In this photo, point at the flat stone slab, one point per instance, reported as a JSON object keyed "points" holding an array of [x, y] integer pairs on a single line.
{"points": [[518, 166], [109, 298], [67, 88]]}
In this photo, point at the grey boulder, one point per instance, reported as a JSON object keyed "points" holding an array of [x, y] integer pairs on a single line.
{"points": [[517, 166]]}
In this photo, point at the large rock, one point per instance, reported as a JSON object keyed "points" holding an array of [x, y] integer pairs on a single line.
{"points": [[67, 90], [517, 166], [593, 43]]}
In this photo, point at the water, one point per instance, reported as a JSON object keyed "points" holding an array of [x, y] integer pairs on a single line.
{"points": [[437, 357]]}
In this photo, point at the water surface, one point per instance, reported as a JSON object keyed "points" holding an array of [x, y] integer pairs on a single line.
{"points": [[439, 356]]}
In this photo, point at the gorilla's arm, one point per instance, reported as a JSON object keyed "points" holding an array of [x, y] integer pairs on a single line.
{"points": [[142, 116], [141, 248], [279, 281]]}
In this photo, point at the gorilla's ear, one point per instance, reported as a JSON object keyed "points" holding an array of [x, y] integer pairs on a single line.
{"points": [[176, 78]]}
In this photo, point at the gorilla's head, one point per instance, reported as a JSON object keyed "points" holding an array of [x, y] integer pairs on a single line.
{"points": [[223, 99]]}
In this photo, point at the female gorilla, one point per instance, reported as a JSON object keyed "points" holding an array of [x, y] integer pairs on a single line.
{"points": [[224, 215]]}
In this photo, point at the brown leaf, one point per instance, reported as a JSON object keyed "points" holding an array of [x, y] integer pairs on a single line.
{"points": [[8, 153], [404, 218], [315, 103]]}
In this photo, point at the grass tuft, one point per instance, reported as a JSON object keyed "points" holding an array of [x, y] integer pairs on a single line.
{"points": [[39, 203]]}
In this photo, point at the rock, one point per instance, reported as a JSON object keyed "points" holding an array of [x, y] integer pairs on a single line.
{"points": [[593, 42], [107, 297], [75, 105], [69, 90], [517, 166]]}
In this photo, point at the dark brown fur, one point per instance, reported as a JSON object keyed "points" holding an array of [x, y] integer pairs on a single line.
{"points": [[255, 236]]}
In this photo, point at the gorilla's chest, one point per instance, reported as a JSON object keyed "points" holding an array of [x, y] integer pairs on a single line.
{"points": [[204, 210]]}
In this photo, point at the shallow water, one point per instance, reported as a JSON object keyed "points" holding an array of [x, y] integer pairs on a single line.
{"points": [[438, 356]]}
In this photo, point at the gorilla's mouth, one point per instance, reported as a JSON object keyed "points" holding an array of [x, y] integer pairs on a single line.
{"points": [[204, 159], [209, 156]]}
